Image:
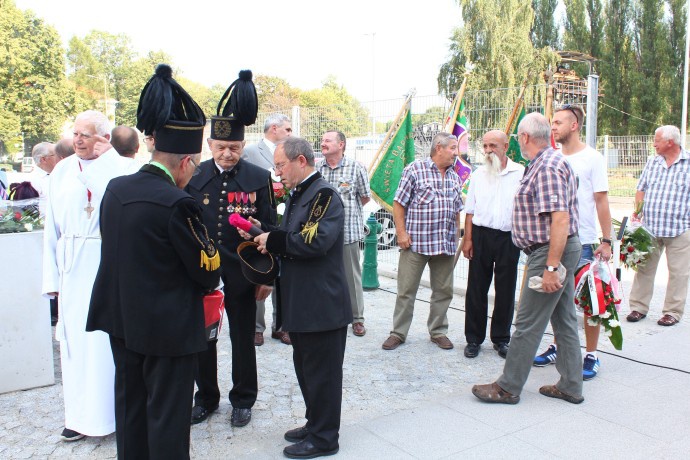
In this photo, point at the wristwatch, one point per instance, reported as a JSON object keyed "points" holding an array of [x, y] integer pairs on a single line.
{"points": [[606, 240], [550, 268]]}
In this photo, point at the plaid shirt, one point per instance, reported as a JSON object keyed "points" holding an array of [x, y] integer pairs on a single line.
{"points": [[349, 177], [432, 204], [549, 185], [666, 190]]}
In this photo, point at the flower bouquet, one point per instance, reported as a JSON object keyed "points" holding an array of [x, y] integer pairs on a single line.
{"points": [[636, 245], [280, 193], [20, 216], [598, 295]]}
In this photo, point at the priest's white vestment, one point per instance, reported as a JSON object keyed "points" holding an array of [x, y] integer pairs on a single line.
{"points": [[71, 255]]}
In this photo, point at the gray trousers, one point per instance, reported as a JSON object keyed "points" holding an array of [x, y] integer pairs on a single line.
{"points": [[353, 274], [533, 315], [261, 311], [410, 268]]}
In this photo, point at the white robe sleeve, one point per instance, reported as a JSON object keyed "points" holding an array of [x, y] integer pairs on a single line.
{"points": [[106, 167]]}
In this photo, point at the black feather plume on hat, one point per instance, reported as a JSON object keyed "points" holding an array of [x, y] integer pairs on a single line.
{"points": [[163, 100], [243, 103]]}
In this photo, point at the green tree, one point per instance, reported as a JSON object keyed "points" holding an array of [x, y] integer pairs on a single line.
{"points": [[545, 30], [503, 55], [676, 53], [32, 81], [338, 110], [275, 94], [651, 59], [616, 68]]}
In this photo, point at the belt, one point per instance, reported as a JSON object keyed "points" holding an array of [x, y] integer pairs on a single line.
{"points": [[530, 249]]}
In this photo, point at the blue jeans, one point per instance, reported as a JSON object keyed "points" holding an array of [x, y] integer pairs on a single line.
{"points": [[587, 255]]}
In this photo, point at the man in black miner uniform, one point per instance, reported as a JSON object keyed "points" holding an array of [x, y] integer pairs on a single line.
{"points": [[227, 184], [310, 243], [148, 291]]}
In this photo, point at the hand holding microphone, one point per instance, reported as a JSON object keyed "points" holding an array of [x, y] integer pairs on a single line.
{"points": [[243, 224]]}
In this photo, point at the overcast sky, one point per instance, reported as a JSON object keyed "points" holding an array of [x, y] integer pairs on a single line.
{"points": [[302, 41]]}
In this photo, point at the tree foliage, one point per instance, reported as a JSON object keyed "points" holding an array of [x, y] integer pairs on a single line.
{"points": [[545, 27], [32, 76], [503, 54], [339, 110]]}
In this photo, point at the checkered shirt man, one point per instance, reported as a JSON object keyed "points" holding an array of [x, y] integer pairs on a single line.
{"points": [[431, 204], [666, 195], [350, 178], [549, 185]]}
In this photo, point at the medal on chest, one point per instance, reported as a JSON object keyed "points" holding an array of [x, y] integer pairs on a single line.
{"points": [[206, 201], [242, 203]]}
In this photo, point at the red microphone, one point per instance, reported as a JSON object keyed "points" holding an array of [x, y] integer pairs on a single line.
{"points": [[243, 224]]}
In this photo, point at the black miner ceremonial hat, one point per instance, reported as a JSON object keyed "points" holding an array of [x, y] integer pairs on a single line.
{"points": [[258, 268], [168, 113], [240, 109]]}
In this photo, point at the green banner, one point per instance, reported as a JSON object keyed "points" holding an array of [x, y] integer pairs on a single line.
{"points": [[385, 178], [514, 148]]}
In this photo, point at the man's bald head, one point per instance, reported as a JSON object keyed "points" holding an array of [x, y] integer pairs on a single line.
{"points": [[125, 140]]}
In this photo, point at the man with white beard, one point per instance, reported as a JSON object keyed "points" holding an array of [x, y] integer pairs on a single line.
{"points": [[489, 247]]}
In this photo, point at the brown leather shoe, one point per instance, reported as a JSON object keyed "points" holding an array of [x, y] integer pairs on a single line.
{"points": [[492, 393], [552, 392], [284, 337], [443, 342], [358, 329], [392, 343], [635, 316], [667, 320], [258, 339]]}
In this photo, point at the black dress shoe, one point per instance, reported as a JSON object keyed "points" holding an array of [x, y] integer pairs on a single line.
{"points": [[240, 417], [502, 349], [472, 350], [297, 434], [305, 449], [200, 413]]}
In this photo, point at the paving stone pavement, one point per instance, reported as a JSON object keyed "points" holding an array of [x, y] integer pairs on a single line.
{"points": [[380, 388]]}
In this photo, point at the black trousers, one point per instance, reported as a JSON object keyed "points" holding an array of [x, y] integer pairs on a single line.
{"points": [[240, 306], [496, 256], [150, 422], [318, 359]]}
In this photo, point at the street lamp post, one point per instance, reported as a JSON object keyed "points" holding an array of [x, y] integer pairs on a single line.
{"points": [[373, 81]]}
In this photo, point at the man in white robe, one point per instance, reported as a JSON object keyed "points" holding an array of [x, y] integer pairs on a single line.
{"points": [[72, 252]]}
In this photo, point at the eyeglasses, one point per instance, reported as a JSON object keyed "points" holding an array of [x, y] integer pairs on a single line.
{"points": [[280, 166], [197, 170]]}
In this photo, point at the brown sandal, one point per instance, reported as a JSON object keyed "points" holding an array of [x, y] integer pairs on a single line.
{"points": [[493, 393], [667, 320]]}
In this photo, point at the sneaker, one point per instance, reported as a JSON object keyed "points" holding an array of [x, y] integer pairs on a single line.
{"points": [[546, 358], [68, 435], [590, 367]]}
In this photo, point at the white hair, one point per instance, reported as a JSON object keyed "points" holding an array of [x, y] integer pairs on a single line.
{"points": [[276, 119], [669, 133], [99, 121], [40, 150], [536, 126]]}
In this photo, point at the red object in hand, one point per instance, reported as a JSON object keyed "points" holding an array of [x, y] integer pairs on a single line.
{"points": [[243, 224]]}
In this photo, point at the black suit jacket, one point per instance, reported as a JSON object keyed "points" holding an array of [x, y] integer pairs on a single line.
{"points": [[313, 289], [210, 189], [149, 286]]}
